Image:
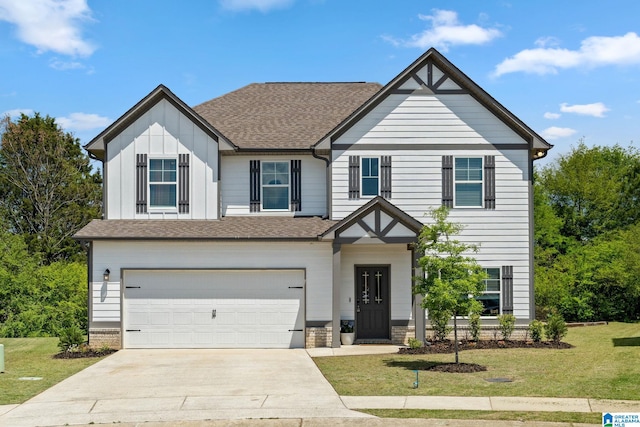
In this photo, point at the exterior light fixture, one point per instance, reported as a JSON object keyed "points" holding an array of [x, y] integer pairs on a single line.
{"points": [[106, 274]]}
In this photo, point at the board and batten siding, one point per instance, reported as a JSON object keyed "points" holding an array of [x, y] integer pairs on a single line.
{"points": [[416, 131], [162, 132], [397, 257], [313, 257], [235, 185]]}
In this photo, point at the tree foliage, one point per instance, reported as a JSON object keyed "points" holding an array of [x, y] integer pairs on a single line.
{"points": [[452, 279], [587, 225], [38, 300], [47, 188]]}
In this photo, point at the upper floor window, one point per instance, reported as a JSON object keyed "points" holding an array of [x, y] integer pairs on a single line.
{"points": [[370, 176], [468, 182], [162, 183], [490, 299], [275, 185]]}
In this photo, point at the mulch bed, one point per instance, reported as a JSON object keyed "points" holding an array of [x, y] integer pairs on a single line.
{"points": [[448, 347], [83, 354]]}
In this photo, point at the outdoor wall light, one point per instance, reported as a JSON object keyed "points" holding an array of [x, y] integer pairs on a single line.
{"points": [[105, 276]]}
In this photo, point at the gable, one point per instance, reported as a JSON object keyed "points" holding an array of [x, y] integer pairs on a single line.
{"points": [[98, 146], [378, 221], [433, 75]]}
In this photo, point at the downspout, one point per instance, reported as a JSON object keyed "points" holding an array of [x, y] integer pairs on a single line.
{"points": [[104, 195], [327, 179]]}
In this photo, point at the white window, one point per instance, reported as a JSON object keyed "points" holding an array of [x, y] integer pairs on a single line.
{"points": [[162, 183], [275, 185], [490, 299], [370, 172], [468, 182]]}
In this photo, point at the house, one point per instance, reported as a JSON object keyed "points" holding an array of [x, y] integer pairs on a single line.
{"points": [[265, 217]]}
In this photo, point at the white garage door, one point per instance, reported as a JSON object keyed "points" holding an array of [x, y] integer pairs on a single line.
{"points": [[213, 309]]}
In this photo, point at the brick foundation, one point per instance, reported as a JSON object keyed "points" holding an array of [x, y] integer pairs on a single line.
{"points": [[520, 332], [318, 337], [400, 334], [105, 337]]}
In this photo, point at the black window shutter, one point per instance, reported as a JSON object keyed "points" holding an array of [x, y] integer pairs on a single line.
{"points": [[354, 177], [141, 183], [489, 182], [296, 185], [254, 185], [507, 289], [385, 176], [447, 181], [183, 183]]}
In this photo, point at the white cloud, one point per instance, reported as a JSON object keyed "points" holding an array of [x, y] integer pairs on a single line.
{"points": [[596, 109], [16, 112], [551, 116], [82, 121], [446, 31], [261, 5], [50, 25], [556, 132], [593, 52]]}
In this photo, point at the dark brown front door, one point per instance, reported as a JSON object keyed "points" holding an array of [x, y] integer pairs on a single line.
{"points": [[372, 303]]}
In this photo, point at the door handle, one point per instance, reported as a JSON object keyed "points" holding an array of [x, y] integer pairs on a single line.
{"points": [[214, 313], [358, 308]]}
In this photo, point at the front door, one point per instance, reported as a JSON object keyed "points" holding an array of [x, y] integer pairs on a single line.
{"points": [[372, 303]]}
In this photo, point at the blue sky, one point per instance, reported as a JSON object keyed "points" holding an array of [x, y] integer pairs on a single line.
{"points": [[569, 69]]}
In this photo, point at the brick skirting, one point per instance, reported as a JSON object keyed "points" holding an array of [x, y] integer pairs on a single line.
{"points": [[105, 337]]}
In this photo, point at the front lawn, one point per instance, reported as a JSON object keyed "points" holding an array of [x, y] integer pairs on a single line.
{"points": [[33, 357], [603, 364]]}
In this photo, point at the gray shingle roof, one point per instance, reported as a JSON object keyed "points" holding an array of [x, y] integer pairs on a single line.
{"points": [[227, 228], [284, 115]]}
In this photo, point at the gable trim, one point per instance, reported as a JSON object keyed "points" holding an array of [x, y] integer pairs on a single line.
{"points": [[377, 206], [98, 144], [430, 58]]}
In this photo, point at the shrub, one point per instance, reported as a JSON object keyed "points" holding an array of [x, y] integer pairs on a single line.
{"points": [[556, 328], [440, 324], [70, 338], [474, 326], [535, 329], [346, 326], [507, 323], [415, 343]]}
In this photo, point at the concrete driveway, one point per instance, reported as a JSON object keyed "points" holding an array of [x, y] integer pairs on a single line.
{"points": [[174, 385]]}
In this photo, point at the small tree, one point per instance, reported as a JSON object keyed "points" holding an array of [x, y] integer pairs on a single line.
{"points": [[452, 279]]}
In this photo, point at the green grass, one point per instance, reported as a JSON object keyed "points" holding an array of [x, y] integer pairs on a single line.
{"points": [[595, 368], [32, 357], [558, 417]]}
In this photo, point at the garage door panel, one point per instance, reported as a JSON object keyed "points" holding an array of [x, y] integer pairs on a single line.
{"points": [[259, 309]]}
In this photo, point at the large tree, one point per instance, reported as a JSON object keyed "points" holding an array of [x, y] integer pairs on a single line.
{"points": [[452, 278], [47, 187]]}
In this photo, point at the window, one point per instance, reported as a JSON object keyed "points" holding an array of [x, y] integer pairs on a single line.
{"points": [[162, 183], [468, 182], [490, 299], [370, 176], [275, 185]]}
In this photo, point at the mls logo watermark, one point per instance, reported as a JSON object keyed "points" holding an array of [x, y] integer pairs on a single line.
{"points": [[620, 420]]}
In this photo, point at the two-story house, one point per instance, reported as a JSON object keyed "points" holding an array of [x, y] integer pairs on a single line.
{"points": [[265, 217]]}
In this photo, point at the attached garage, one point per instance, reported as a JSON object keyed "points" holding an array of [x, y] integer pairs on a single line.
{"points": [[213, 308]]}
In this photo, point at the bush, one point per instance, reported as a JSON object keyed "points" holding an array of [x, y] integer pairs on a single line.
{"points": [[556, 328], [535, 329], [440, 324], [415, 343], [71, 338], [474, 326], [507, 323]]}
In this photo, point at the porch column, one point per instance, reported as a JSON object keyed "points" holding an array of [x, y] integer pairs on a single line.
{"points": [[335, 316], [418, 311]]}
